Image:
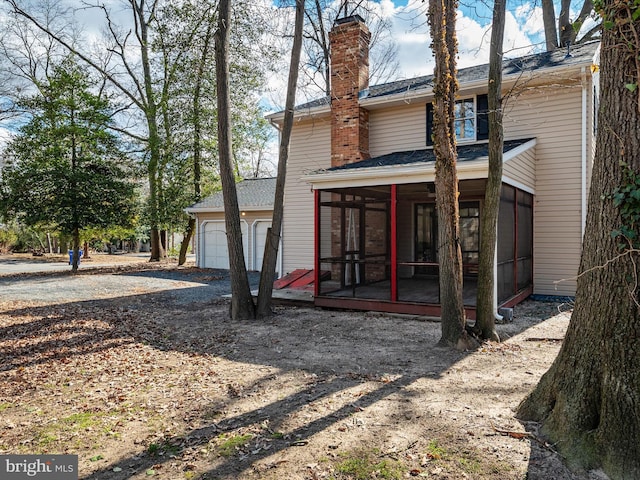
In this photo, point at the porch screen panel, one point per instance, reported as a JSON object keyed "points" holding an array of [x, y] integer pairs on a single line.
{"points": [[354, 243], [376, 248], [525, 240], [506, 244], [329, 247], [470, 232]]}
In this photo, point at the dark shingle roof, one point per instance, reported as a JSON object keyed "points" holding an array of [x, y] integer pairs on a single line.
{"points": [[580, 54], [255, 192], [465, 153]]}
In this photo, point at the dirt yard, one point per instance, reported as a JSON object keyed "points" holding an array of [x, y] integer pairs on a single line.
{"points": [[140, 385]]}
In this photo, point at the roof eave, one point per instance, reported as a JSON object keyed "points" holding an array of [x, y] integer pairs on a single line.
{"points": [[392, 174], [278, 117], [414, 173], [250, 208], [420, 94]]}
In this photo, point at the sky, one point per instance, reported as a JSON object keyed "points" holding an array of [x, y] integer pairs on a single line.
{"points": [[523, 33]]}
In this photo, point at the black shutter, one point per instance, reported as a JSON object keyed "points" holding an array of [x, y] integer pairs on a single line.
{"points": [[429, 124], [482, 117]]}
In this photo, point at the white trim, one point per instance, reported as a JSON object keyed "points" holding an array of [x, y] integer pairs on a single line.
{"points": [[583, 154], [399, 175], [252, 208], [514, 152], [466, 88], [517, 184], [423, 94], [255, 251]]}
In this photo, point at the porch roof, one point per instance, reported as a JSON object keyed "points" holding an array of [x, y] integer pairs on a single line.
{"points": [[413, 166]]}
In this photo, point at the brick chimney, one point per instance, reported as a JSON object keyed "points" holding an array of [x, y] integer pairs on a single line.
{"points": [[349, 75]]}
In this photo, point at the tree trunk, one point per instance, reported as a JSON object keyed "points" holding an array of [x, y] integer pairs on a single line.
{"points": [[564, 23], [267, 274], [442, 22], [242, 307], [186, 240], [549, 20], [75, 256], [589, 400], [485, 314]]}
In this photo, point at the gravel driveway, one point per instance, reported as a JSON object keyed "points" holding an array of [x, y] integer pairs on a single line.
{"points": [[141, 282]]}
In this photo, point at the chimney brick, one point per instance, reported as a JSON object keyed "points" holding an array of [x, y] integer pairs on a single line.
{"points": [[349, 75]]}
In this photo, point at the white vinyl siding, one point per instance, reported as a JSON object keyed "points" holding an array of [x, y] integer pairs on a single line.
{"points": [[522, 169], [553, 116], [397, 129], [310, 150]]}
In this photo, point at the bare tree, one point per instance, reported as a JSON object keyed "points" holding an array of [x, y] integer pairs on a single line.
{"points": [[568, 28], [589, 400], [267, 275], [442, 17], [241, 301], [485, 314], [320, 15]]}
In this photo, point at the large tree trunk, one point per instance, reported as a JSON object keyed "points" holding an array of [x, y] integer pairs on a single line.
{"points": [[267, 275], [442, 23], [549, 20], [485, 314], [589, 400], [242, 307]]}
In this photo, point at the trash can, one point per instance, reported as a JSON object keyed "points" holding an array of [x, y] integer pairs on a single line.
{"points": [[80, 252]]}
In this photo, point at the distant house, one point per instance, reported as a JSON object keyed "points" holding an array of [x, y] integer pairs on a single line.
{"points": [[359, 196], [255, 199]]}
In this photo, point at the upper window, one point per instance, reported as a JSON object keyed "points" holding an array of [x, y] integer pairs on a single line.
{"points": [[471, 122], [465, 120]]}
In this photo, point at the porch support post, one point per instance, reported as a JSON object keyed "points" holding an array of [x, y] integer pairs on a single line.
{"points": [[515, 240], [316, 243], [394, 245]]}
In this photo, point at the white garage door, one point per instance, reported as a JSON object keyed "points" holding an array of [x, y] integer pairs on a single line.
{"points": [[214, 244], [260, 239]]}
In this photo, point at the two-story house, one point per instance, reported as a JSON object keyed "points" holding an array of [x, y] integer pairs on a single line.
{"points": [[359, 197]]}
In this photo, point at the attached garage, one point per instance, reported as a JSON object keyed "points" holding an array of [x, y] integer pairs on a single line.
{"points": [[215, 252], [255, 198]]}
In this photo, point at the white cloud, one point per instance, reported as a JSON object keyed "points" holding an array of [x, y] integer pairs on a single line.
{"points": [[411, 32]]}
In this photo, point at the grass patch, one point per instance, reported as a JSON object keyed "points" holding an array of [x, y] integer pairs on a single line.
{"points": [[229, 445], [5, 406], [83, 420], [467, 461], [156, 449], [59, 433], [435, 451], [363, 465]]}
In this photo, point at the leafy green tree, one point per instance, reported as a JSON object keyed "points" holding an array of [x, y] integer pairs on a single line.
{"points": [[65, 167]]}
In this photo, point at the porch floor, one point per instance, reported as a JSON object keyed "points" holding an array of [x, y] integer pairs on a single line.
{"points": [[412, 290]]}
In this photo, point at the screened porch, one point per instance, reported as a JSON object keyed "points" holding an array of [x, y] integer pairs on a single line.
{"points": [[376, 247]]}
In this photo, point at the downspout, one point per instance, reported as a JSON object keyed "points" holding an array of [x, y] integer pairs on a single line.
{"points": [[496, 315], [583, 159]]}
